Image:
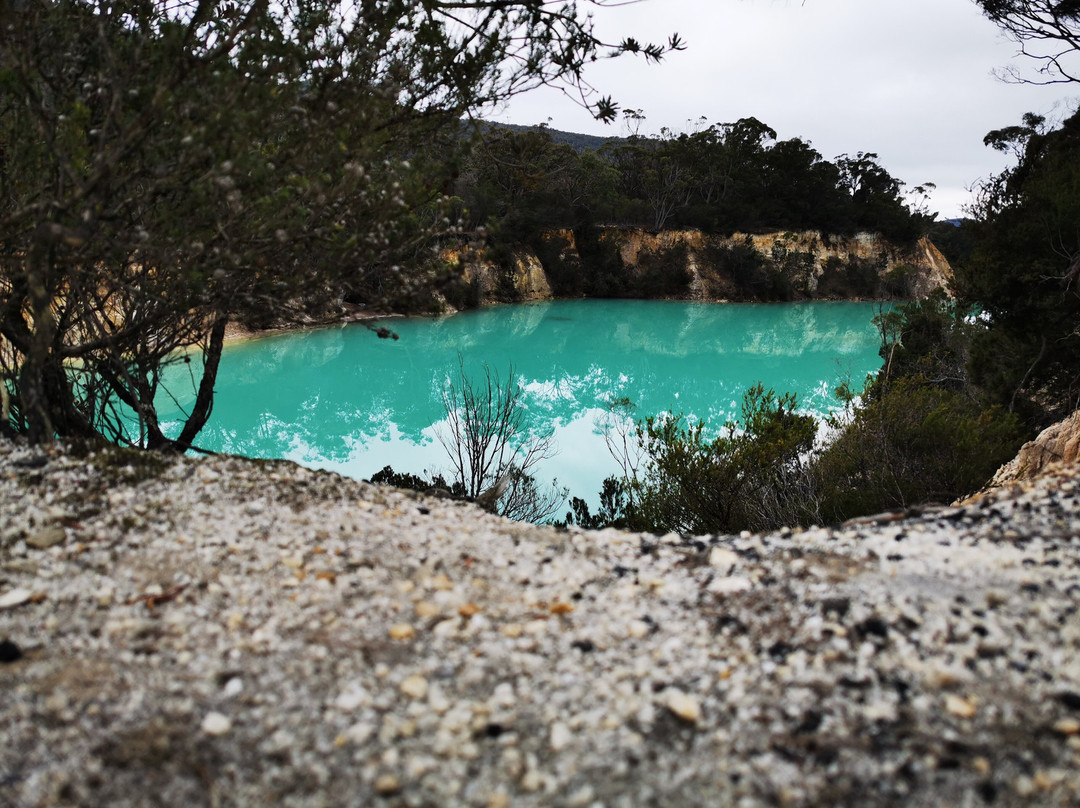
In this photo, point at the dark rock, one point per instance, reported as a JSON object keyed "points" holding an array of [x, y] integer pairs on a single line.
{"points": [[837, 606], [873, 626], [810, 723], [9, 652], [779, 651], [1069, 699]]}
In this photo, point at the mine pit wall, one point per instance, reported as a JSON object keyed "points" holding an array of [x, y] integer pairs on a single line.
{"points": [[923, 266]]}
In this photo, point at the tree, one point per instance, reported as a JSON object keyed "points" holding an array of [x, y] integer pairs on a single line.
{"points": [[493, 452], [168, 166], [1024, 273], [1047, 31]]}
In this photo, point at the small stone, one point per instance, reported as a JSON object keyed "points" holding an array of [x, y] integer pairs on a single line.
{"points": [[387, 784], [216, 724], [351, 699], [402, 631], [425, 609], [46, 538], [468, 609], [1067, 726], [730, 586], [960, 707], [1024, 786], [531, 781], [359, 732], [683, 705], [638, 629], [441, 583], [723, 558], [9, 652], [562, 608], [415, 686], [445, 628], [293, 562], [15, 597], [500, 799], [513, 630], [560, 737]]}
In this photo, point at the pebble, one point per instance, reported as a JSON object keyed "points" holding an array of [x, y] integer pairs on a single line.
{"points": [[15, 597], [960, 707], [730, 586], [46, 538], [9, 652], [1067, 726], [415, 686], [352, 698], [683, 705], [216, 724], [402, 631], [723, 558], [387, 784], [560, 737], [425, 609]]}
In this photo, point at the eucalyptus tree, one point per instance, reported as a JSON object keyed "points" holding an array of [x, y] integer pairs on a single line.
{"points": [[167, 166], [1024, 274], [1047, 31]]}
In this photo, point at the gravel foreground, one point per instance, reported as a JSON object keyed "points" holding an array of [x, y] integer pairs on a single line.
{"points": [[227, 632]]}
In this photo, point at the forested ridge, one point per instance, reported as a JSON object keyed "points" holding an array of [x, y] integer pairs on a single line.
{"points": [[719, 178]]}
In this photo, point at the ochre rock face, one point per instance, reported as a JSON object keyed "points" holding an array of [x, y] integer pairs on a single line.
{"points": [[923, 264], [1056, 445]]}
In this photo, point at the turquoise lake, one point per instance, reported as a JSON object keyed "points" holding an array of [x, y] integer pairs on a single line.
{"points": [[340, 398]]}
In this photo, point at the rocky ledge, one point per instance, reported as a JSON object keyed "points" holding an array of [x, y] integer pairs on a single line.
{"points": [[224, 632]]}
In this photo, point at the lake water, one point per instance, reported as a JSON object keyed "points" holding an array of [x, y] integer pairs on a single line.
{"points": [[341, 399]]}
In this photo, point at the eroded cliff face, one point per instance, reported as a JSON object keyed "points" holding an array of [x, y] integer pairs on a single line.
{"points": [[1058, 444], [525, 281], [743, 266]]}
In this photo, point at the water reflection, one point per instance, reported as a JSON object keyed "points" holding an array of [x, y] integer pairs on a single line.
{"points": [[340, 398]]}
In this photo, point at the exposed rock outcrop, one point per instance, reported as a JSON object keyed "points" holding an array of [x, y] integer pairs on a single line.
{"points": [[524, 281], [1056, 445], [803, 265]]}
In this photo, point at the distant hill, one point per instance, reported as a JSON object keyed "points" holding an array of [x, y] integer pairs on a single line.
{"points": [[576, 140]]}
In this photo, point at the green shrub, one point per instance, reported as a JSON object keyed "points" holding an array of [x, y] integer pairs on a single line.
{"points": [[910, 443], [747, 479]]}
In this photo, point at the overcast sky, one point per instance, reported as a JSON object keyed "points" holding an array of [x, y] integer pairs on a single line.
{"points": [[911, 80]]}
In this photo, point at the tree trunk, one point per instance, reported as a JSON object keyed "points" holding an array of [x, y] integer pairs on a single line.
{"points": [[33, 397], [204, 401]]}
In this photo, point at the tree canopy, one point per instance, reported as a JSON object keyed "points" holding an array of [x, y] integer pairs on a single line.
{"points": [[722, 178], [1047, 31], [168, 165]]}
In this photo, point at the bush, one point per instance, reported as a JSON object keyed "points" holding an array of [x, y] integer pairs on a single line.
{"points": [[911, 443], [747, 479]]}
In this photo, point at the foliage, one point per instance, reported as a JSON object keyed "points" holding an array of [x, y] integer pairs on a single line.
{"points": [[492, 450], [414, 482], [1024, 274], [615, 507], [721, 178], [166, 167], [1047, 31], [911, 442], [740, 480], [930, 339]]}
